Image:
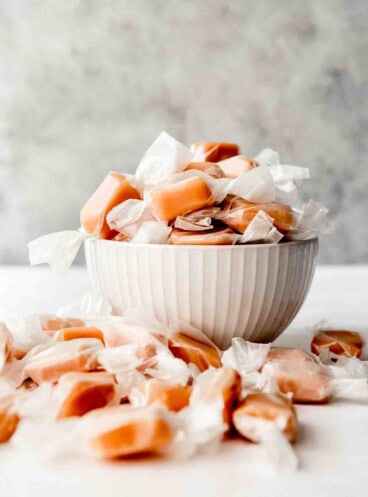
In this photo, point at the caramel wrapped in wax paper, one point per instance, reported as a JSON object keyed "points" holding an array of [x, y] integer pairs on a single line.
{"points": [[124, 431], [79, 393], [48, 364], [338, 342], [260, 410], [214, 151]]}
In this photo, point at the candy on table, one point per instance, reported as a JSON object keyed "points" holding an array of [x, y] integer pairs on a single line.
{"points": [[222, 384], [217, 236], [288, 354], [179, 198], [338, 342], [215, 151], [307, 381], [114, 189], [238, 213], [124, 430], [63, 357], [74, 333], [172, 396], [270, 408], [237, 165], [192, 350], [80, 393], [8, 419], [210, 168], [51, 323]]}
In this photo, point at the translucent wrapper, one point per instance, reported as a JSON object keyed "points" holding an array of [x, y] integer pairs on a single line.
{"points": [[57, 249], [247, 359], [200, 220], [198, 428], [165, 157], [49, 440], [126, 213], [261, 228], [152, 232], [310, 221], [28, 333]]}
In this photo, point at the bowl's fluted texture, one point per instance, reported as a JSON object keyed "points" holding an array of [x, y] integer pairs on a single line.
{"points": [[251, 291]]}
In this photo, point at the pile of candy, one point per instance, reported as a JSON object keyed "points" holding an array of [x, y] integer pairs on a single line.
{"points": [[120, 386], [206, 195]]}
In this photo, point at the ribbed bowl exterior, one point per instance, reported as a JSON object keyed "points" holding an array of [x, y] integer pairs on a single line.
{"points": [[251, 291]]}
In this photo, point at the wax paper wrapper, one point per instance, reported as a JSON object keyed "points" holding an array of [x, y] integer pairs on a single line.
{"points": [[152, 232], [200, 220], [165, 157], [56, 249], [261, 229], [310, 221]]}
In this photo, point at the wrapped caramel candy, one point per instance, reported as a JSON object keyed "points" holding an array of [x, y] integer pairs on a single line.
{"points": [[287, 354], [114, 189], [124, 430], [215, 151], [8, 419], [74, 333], [338, 342], [271, 409], [191, 350], [51, 323], [214, 385], [80, 393], [217, 236], [210, 168], [172, 396], [307, 381], [50, 363], [236, 166], [238, 213], [181, 197]]}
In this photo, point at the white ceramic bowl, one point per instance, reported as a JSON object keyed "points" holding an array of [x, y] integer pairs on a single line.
{"points": [[250, 291]]}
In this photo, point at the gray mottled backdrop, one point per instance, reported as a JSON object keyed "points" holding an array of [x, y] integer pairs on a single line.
{"points": [[86, 85]]}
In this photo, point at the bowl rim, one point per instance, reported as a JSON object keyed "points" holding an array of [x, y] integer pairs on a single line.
{"points": [[167, 246]]}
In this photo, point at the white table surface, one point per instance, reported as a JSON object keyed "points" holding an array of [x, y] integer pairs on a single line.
{"points": [[333, 439]]}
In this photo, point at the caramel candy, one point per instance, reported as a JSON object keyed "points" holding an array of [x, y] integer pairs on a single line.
{"points": [[274, 408], [180, 198], [210, 168], [83, 392], [173, 397], [114, 190], [76, 355], [288, 354], [8, 420], [217, 236], [219, 384], [124, 430], [236, 166], [52, 323], [238, 213], [339, 342], [194, 351], [309, 382], [215, 151], [74, 333]]}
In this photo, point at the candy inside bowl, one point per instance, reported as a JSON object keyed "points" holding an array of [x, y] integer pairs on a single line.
{"points": [[204, 235], [250, 291]]}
